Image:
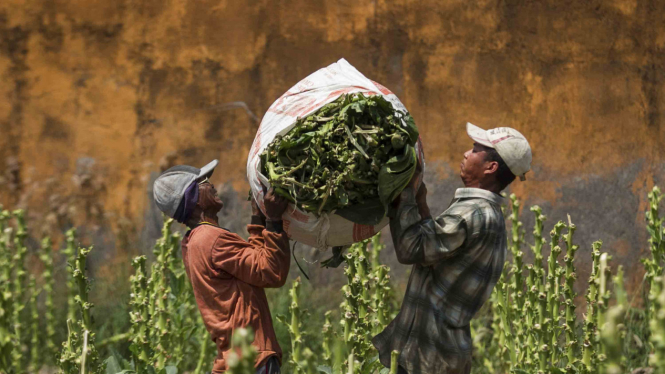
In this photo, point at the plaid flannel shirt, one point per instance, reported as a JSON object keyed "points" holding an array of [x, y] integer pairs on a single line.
{"points": [[457, 259]]}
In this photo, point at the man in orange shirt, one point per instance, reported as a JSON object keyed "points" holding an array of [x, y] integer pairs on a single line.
{"points": [[228, 274]]}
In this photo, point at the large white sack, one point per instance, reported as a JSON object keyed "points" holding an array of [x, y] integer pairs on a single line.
{"points": [[318, 89]]}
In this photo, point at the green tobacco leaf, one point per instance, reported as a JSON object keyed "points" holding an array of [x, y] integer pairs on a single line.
{"points": [[332, 159], [324, 369], [369, 212], [411, 129], [281, 318], [355, 142], [370, 366], [112, 366], [396, 174]]}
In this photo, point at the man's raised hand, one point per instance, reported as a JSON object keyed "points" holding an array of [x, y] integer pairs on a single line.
{"points": [[275, 205]]}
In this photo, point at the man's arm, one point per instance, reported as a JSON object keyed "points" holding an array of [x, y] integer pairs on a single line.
{"points": [[420, 239], [262, 265], [264, 260], [256, 226]]}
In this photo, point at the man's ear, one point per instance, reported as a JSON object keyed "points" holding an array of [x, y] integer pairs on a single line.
{"points": [[491, 167]]}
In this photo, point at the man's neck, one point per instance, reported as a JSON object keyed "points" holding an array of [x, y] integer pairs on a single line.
{"points": [[209, 218], [492, 187]]}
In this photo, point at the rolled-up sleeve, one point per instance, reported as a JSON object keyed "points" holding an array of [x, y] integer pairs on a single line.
{"points": [[425, 241]]}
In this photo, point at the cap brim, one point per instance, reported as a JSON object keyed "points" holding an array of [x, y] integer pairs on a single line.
{"points": [[207, 170], [478, 135]]}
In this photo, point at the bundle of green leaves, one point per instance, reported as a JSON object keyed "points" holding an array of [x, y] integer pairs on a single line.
{"points": [[352, 156]]}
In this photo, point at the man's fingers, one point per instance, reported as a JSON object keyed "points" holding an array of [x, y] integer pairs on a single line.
{"points": [[281, 200], [422, 190]]}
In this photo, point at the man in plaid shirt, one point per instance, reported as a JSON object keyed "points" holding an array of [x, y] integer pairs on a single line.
{"points": [[457, 258]]}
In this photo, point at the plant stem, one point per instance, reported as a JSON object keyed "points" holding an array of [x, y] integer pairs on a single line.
{"points": [[46, 256], [18, 264], [569, 298], [393, 362]]}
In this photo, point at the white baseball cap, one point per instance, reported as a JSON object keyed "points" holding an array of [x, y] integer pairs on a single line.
{"points": [[509, 143]]}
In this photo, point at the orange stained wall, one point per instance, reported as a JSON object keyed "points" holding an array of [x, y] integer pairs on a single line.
{"points": [[97, 94]]}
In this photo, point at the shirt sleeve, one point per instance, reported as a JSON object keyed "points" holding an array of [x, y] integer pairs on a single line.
{"points": [[255, 230], [262, 262], [425, 241]]}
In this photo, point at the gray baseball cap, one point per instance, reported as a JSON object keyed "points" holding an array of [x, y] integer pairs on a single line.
{"points": [[169, 188]]}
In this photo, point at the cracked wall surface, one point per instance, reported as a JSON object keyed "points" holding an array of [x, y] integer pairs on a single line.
{"points": [[98, 96]]}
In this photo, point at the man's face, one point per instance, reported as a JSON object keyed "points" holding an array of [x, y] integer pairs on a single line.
{"points": [[217, 202], [473, 167]]}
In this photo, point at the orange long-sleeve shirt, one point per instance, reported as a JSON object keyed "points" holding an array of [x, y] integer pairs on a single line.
{"points": [[228, 275]]}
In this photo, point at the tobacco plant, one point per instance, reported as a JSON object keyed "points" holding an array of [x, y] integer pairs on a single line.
{"points": [[539, 333], [366, 309], [139, 316], [69, 252], [79, 354], [570, 322], [383, 297], [657, 324], [160, 307], [36, 357], [46, 256], [18, 264], [328, 340], [295, 328], [530, 323], [167, 330], [590, 342], [206, 352], [356, 309], [613, 332], [7, 338]]}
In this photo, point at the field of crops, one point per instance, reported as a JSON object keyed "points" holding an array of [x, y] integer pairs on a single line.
{"points": [[530, 324]]}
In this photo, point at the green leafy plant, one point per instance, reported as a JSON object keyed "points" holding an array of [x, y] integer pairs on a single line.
{"points": [[353, 155], [79, 354], [36, 356], [46, 256], [140, 316], [167, 330], [295, 328], [69, 252], [7, 338], [18, 264], [530, 324]]}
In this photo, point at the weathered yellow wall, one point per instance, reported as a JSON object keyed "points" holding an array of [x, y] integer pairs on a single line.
{"points": [[95, 94]]}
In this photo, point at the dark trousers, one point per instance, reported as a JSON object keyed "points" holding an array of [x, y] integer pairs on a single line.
{"points": [[271, 366]]}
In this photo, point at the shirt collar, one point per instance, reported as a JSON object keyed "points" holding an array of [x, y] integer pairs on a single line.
{"points": [[478, 193]]}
